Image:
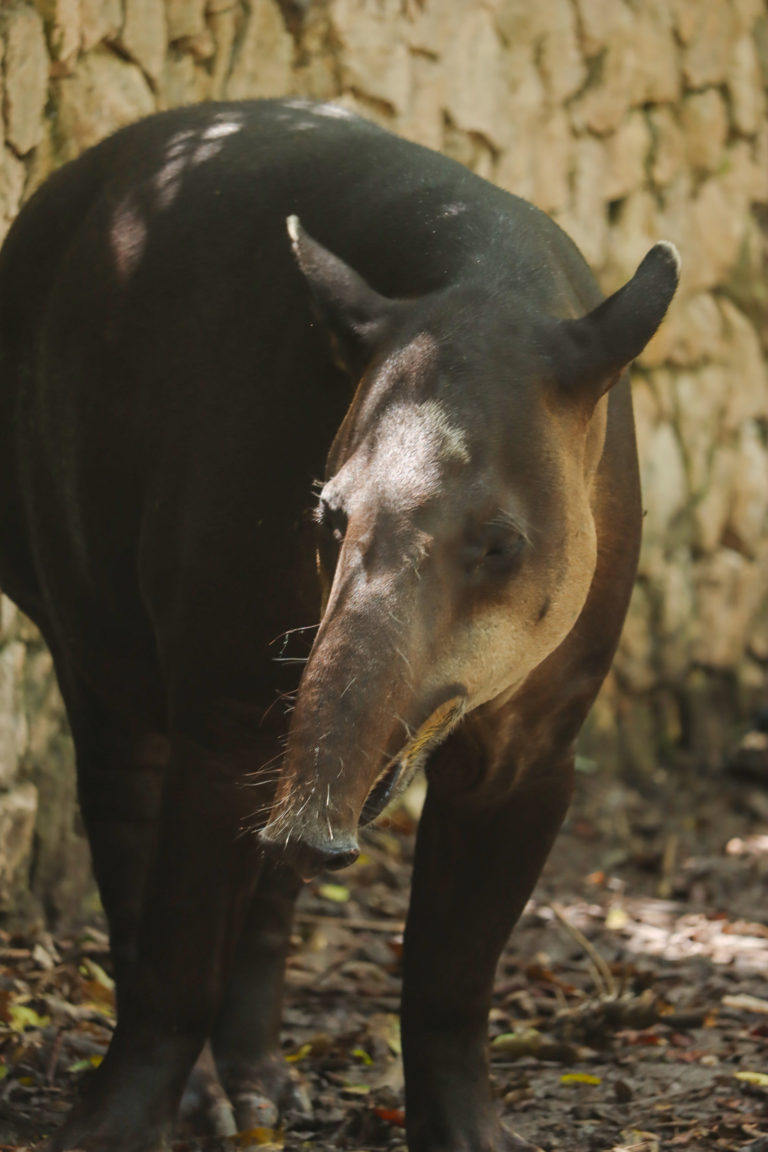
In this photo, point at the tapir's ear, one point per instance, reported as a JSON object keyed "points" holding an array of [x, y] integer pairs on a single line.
{"points": [[600, 345], [353, 313]]}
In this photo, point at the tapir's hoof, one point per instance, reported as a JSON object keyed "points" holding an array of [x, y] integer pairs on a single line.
{"points": [[259, 1096], [77, 1136], [254, 1109]]}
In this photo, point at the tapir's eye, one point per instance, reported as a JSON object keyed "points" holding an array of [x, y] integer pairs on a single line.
{"points": [[497, 552], [503, 550], [332, 520]]}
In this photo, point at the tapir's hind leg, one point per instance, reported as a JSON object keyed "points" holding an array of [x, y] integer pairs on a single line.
{"points": [[120, 765], [477, 860], [166, 865]]}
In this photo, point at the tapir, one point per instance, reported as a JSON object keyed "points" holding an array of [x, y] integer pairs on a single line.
{"points": [[265, 366]]}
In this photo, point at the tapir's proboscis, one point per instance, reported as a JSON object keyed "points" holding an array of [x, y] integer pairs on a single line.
{"points": [[200, 317]]}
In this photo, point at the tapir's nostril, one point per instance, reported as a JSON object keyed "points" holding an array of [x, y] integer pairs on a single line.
{"points": [[341, 855], [309, 856]]}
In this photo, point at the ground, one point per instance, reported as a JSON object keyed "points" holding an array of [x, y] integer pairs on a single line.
{"points": [[631, 1007]]}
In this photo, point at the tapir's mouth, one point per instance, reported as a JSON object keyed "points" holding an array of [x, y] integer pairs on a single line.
{"points": [[400, 770], [382, 792]]}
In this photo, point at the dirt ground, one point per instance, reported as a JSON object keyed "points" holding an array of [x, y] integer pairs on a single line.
{"points": [[631, 1007]]}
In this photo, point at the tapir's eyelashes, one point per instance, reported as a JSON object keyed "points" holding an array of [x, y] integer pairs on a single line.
{"points": [[506, 519], [333, 520]]}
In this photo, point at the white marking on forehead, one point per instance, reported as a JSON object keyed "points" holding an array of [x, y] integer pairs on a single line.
{"points": [[414, 443]]}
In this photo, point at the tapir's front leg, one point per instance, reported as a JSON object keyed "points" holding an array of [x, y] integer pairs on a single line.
{"points": [[478, 857], [170, 1004]]}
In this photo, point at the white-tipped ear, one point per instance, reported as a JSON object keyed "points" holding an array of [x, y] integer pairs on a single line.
{"points": [[351, 310], [601, 344]]}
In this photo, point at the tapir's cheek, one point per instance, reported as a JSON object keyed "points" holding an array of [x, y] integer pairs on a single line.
{"points": [[500, 639]]}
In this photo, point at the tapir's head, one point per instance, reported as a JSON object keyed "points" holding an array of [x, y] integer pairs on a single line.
{"points": [[456, 538]]}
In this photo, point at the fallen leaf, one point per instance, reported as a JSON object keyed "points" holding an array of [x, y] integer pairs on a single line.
{"points": [[745, 1003], [580, 1078], [758, 1078], [616, 918], [336, 893], [22, 1017], [86, 1065], [394, 1116], [260, 1137]]}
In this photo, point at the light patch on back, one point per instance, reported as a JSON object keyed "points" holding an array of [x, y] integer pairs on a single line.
{"points": [[127, 237], [454, 209]]}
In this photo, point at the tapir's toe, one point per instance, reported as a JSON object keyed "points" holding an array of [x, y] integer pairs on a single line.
{"points": [[260, 1094], [279, 1093]]}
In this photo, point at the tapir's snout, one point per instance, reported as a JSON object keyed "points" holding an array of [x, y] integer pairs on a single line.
{"points": [[309, 854], [307, 830]]}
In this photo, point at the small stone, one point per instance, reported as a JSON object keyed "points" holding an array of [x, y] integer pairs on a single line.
{"points": [[748, 12], [634, 660], [144, 35], [374, 60], [704, 123], [668, 150], [601, 22], [263, 59], [710, 510], [9, 614], [18, 809], [200, 47], [476, 77], [184, 18], [12, 176], [223, 26], [560, 60], [104, 94], [712, 32], [26, 76], [99, 20], [183, 82], [745, 85], [551, 154], [699, 399], [664, 482], [715, 229], [685, 14], [695, 331], [62, 23], [626, 151], [659, 78], [639, 66], [635, 230], [747, 397], [427, 30], [13, 735], [587, 223], [728, 588], [747, 523], [422, 120]]}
